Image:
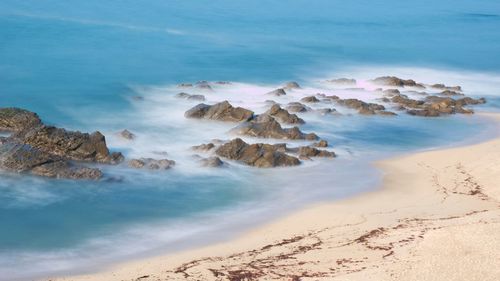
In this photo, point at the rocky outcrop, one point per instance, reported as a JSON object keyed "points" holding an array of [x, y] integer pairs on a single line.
{"points": [[433, 106], [152, 164], [396, 82], [451, 93], [309, 99], [68, 144], [444, 87], [14, 119], [283, 116], [258, 155], [297, 107], [24, 158], [203, 85], [306, 152], [321, 143], [266, 126], [222, 111], [190, 97], [126, 134], [364, 108], [277, 92]]}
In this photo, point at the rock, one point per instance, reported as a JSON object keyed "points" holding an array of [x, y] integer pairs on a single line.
{"points": [[19, 157], [138, 98], [291, 85], [203, 147], [444, 87], [321, 143], [391, 92], [211, 162], [203, 85], [343, 81], [386, 113], [69, 145], [185, 85], [307, 152], [277, 92], [190, 97], [309, 99], [407, 102], [450, 93], [469, 101], [152, 164], [258, 155], [267, 127], [397, 82], [297, 107], [423, 112], [327, 111], [222, 111], [14, 119], [283, 116], [126, 134], [223, 83]]}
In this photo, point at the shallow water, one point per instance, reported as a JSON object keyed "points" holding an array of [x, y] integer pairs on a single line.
{"points": [[80, 63]]}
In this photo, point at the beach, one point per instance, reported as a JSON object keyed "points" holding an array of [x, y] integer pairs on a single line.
{"points": [[436, 217]]}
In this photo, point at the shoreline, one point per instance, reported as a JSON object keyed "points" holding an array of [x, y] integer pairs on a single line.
{"points": [[402, 229]]}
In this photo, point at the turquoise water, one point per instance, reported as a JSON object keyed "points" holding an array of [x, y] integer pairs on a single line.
{"points": [[78, 63]]}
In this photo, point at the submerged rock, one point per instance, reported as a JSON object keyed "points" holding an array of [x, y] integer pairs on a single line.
{"points": [[267, 127], [152, 164], [15, 119], [213, 162], [307, 152], [321, 143], [291, 85], [222, 111], [259, 155], [203, 147], [297, 107], [364, 108], [277, 92], [126, 134], [397, 82], [343, 81], [185, 85], [309, 99], [190, 97], [444, 87], [433, 106], [283, 116], [451, 93]]}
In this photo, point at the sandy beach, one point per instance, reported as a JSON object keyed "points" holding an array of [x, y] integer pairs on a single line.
{"points": [[436, 217]]}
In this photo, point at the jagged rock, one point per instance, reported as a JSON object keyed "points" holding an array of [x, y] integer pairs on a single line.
{"points": [[126, 134], [407, 102], [391, 92], [152, 164], [469, 101], [307, 152], [267, 127], [211, 162], [277, 92], [343, 81], [291, 85], [363, 108], [203, 147], [259, 155], [321, 143], [14, 119], [297, 107], [282, 115], [397, 82], [19, 157], [309, 99], [69, 145], [222, 111]]}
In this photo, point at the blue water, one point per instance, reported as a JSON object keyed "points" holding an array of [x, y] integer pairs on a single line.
{"points": [[78, 63]]}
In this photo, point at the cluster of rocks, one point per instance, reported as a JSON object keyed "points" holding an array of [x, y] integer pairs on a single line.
{"points": [[36, 148], [222, 111], [201, 85], [396, 82], [265, 126], [362, 107], [152, 164]]}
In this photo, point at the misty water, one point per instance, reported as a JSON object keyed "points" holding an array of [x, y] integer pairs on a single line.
{"points": [[79, 65]]}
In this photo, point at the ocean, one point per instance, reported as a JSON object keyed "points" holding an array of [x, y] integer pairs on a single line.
{"points": [[79, 65]]}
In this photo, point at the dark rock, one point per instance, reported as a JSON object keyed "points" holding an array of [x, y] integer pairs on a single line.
{"points": [[222, 111], [211, 162], [126, 134], [391, 92], [451, 93], [267, 127], [307, 152], [283, 116], [258, 155], [310, 99], [386, 113], [185, 85], [397, 82], [321, 143], [223, 83], [138, 98], [152, 164], [203, 85], [69, 145], [63, 169], [444, 87], [327, 111], [14, 119], [182, 95], [277, 92], [297, 107], [190, 97], [203, 147]]}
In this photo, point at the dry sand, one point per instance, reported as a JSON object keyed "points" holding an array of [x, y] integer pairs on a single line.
{"points": [[437, 217]]}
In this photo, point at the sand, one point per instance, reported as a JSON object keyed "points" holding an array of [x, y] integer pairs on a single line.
{"points": [[436, 217]]}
